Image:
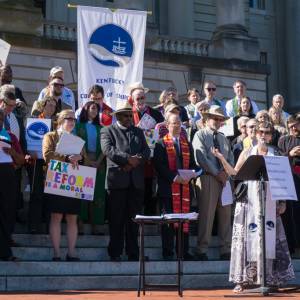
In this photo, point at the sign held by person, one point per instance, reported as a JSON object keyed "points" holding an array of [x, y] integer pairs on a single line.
{"points": [[65, 180], [4, 50]]}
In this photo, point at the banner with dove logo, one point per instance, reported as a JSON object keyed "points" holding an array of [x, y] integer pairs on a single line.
{"points": [[110, 51]]}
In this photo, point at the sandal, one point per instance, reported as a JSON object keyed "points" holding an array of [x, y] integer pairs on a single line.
{"points": [[238, 288]]}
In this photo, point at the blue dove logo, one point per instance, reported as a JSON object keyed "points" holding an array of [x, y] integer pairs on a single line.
{"points": [[270, 225], [37, 130], [252, 227], [111, 45]]}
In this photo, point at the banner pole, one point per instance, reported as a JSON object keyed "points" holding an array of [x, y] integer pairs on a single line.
{"points": [[69, 5]]}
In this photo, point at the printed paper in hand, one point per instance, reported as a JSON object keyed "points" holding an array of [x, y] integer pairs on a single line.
{"points": [[4, 158], [4, 50], [187, 174], [227, 198], [146, 122], [69, 144]]}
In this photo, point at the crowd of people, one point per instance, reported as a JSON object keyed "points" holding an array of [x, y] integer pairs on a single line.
{"points": [[134, 177]]}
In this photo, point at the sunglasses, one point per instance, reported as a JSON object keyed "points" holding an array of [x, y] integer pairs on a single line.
{"points": [[58, 85], [266, 132], [70, 119], [293, 126], [211, 89]]}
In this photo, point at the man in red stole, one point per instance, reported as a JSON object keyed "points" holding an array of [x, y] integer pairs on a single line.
{"points": [[96, 94], [171, 153], [137, 98]]}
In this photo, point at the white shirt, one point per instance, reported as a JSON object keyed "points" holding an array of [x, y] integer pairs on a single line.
{"points": [[67, 96]]}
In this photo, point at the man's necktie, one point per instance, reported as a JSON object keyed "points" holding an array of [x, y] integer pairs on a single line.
{"points": [[217, 146]]}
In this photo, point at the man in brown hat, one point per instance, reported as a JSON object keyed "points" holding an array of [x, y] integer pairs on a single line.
{"points": [[126, 151], [211, 184]]}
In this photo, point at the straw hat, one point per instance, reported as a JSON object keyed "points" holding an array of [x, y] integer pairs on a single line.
{"points": [[215, 110], [170, 107], [56, 70], [122, 106], [136, 86]]}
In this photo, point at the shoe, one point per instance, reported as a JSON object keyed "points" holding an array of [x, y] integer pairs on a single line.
{"points": [[168, 257], [115, 258], [72, 258], [136, 258], [201, 256], [13, 243], [225, 256], [188, 256], [238, 288], [56, 258]]}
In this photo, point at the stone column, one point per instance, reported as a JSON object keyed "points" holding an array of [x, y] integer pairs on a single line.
{"points": [[231, 38], [180, 18]]}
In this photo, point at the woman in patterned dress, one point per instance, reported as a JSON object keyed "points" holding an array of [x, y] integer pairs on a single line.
{"points": [[246, 261]]}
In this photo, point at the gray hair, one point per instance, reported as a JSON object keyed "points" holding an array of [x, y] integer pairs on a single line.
{"points": [[5, 90], [242, 120]]}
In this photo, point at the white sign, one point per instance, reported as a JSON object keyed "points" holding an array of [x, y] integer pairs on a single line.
{"points": [[69, 144], [110, 51], [227, 198], [146, 122], [64, 180], [35, 131], [227, 129], [4, 50], [281, 181]]}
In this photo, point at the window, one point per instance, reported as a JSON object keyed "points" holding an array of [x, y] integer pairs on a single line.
{"points": [[263, 58], [258, 4]]}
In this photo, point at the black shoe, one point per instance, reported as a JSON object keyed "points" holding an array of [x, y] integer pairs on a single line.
{"points": [[56, 258], [136, 258], [72, 258], [115, 258], [201, 256], [168, 257], [225, 256], [188, 256]]}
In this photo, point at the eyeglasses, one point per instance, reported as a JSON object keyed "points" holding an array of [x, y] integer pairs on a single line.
{"points": [[251, 126], [70, 119], [293, 126], [211, 89], [58, 85], [140, 98], [8, 104], [266, 132]]}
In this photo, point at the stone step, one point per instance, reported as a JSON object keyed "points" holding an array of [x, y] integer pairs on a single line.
{"points": [[108, 268], [91, 254], [54, 283], [117, 282], [43, 240], [149, 229]]}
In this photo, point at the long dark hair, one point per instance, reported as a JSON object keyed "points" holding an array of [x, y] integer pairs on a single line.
{"points": [[84, 115]]}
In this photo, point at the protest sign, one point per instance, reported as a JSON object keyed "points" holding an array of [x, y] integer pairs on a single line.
{"points": [[35, 131], [4, 50], [227, 129], [64, 180]]}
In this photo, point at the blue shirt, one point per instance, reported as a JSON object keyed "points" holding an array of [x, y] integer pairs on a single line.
{"points": [[92, 137]]}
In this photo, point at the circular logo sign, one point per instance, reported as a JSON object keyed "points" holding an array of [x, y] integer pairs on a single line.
{"points": [[111, 45], [37, 130]]}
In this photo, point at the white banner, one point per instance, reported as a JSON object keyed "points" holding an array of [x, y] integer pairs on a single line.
{"points": [[110, 50], [64, 180]]}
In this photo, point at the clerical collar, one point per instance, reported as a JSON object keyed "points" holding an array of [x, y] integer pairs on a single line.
{"points": [[121, 126]]}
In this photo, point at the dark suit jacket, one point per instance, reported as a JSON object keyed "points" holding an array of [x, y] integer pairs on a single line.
{"points": [[165, 176], [118, 145]]}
